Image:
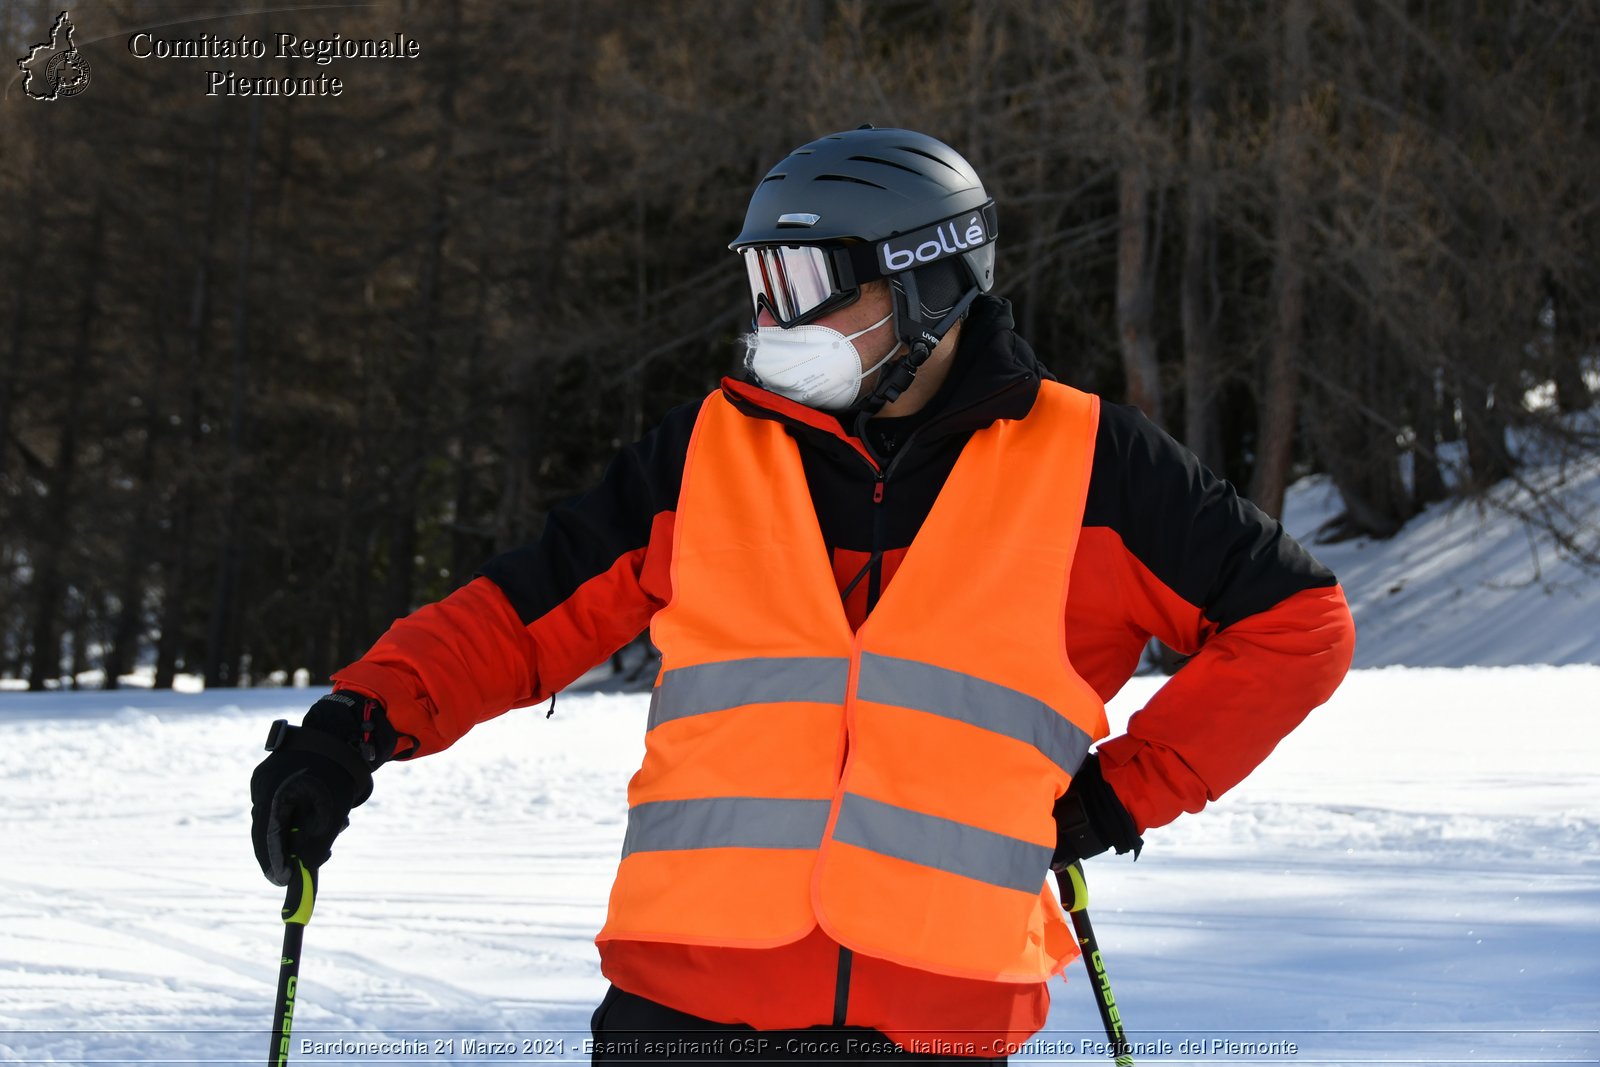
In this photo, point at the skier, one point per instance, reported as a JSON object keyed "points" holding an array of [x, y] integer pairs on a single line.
{"points": [[894, 570]]}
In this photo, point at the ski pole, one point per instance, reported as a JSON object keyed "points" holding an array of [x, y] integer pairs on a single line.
{"points": [[1075, 899], [298, 900]]}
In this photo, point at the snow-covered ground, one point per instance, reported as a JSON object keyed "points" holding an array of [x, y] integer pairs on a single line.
{"points": [[1414, 876]]}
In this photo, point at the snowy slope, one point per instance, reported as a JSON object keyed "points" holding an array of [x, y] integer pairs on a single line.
{"points": [[1414, 876], [1466, 582]]}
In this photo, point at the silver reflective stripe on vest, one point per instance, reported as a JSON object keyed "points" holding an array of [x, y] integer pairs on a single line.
{"points": [[942, 844], [923, 687], [709, 687], [725, 822]]}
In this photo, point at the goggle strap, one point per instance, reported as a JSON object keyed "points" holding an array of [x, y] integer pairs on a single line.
{"points": [[856, 265]]}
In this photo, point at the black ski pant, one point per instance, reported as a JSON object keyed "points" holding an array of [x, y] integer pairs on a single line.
{"points": [[632, 1029]]}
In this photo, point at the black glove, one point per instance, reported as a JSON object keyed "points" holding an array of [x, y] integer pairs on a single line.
{"points": [[301, 795], [1090, 819]]}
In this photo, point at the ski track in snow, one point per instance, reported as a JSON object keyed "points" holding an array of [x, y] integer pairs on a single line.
{"points": [[1413, 876]]}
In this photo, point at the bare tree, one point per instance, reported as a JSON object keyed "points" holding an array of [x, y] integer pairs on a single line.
{"points": [[1279, 399], [1135, 239], [222, 649], [49, 582], [1199, 285]]}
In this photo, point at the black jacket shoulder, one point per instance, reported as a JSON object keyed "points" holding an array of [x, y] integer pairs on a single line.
{"points": [[1191, 529]]}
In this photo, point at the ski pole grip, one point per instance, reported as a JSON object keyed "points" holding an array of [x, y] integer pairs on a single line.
{"points": [[1074, 889], [300, 896]]}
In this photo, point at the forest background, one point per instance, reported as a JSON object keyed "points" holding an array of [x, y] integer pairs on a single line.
{"points": [[276, 371]]}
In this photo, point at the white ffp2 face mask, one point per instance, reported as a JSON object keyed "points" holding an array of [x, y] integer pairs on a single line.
{"points": [[812, 365]]}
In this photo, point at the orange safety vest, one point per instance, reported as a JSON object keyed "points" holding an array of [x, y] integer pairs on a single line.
{"points": [[894, 784]]}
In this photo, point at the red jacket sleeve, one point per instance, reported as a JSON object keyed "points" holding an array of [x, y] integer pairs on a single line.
{"points": [[1170, 551], [1228, 707], [451, 665]]}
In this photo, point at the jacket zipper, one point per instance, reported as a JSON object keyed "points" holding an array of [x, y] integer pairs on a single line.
{"points": [[841, 987], [881, 473], [841, 983], [874, 572], [875, 579]]}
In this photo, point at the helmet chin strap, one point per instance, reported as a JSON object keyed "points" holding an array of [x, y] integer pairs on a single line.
{"points": [[920, 340]]}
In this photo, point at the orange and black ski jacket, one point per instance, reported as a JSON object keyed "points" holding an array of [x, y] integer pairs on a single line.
{"points": [[1166, 550]]}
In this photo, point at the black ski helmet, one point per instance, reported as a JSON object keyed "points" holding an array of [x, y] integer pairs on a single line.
{"points": [[883, 203]]}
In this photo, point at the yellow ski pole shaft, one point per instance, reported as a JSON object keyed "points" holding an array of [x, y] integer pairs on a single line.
{"points": [[1075, 899], [299, 899]]}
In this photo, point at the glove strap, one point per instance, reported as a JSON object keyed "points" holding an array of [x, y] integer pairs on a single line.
{"points": [[285, 738]]}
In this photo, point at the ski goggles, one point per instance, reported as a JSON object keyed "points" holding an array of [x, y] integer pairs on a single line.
{"points": [[796, 284]]}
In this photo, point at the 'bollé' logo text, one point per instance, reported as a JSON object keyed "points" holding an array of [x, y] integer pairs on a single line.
{"points": [[932, 243]]}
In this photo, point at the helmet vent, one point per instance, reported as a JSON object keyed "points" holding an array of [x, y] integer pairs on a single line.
{"points": [[848, 178], [886, 163], [773, 178], [926, 155]]}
